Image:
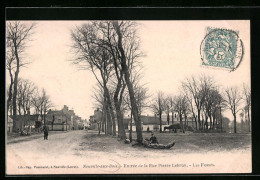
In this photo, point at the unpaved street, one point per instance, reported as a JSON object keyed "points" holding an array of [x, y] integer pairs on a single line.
{"points": [[82, 151]]}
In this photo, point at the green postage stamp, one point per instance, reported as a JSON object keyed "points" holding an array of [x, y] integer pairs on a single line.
{"points": [[222, 49]]}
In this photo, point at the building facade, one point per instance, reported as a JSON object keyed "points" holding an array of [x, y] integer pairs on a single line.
{"points": [[62, 120]]}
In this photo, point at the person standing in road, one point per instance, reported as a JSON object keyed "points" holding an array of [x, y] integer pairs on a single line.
{"points": [[45, 131]]}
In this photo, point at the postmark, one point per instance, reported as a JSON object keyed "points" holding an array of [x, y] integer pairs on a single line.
{"points": [[221, 49]]}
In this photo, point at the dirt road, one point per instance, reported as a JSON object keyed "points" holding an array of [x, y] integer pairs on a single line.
{"points": [[81, 152]]}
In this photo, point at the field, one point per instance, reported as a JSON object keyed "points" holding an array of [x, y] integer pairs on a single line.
{"points": [[184, 143]]}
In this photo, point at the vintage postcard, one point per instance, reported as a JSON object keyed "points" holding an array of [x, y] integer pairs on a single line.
{"points": [[128, 97]]}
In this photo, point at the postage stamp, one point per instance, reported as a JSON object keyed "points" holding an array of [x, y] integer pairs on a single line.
{"points": [[221, 49]]}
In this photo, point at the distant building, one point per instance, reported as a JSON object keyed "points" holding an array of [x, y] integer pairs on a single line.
{"points": [[24, 121], [148, 123], [62, 120], [152, 123]]}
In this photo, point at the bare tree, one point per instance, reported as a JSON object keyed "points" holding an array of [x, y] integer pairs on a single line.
{"points": [[119, 43], [126, 32], [141, 95], [91, 56], [242, 120], [233, 100], [171, 104], [158, 107], [189, 98], [198, 89], [140, 92], [181, 106], [17, 36], [10, 66], [217, 106], [25, 91], [36, 101], [167, 106], [46, 104], [41, 103], [99, 97], [247, 98], [212, 102], [108, 43]]}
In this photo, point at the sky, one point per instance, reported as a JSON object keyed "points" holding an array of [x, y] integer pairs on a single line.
{"points": [[172, 51]]}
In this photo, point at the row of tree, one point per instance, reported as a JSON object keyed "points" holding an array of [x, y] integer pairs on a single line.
{"points": [[29, 97], [22, 94], [110, 49], [201, 99]]}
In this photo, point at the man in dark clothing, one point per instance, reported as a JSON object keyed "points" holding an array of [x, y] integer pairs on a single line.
{"points": [[153, 139], [45, 131]]}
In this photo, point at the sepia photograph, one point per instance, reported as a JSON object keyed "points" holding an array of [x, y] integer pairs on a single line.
{"points": [[128, 97]]}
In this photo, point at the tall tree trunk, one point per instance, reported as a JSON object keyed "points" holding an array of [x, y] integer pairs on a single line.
{"points": [[105, 121], [121, 129], [186, 122], [180, 115], [15, 94], [131, 127], [160, 118], [168, 118], [99, 128], [206, 122], [195, 119], [102, 126], [172, 117], [119, 116], [111, 122], [19, 109], [221, 121], [248, 116], [199, 119], [104, 114], [235, 123], [10, 93], [129, 85], [214, 121], [15, 77]]}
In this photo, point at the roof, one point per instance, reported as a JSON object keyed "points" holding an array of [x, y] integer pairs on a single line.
{"points": [[33, 117], [57, 113], [148, 120]]}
